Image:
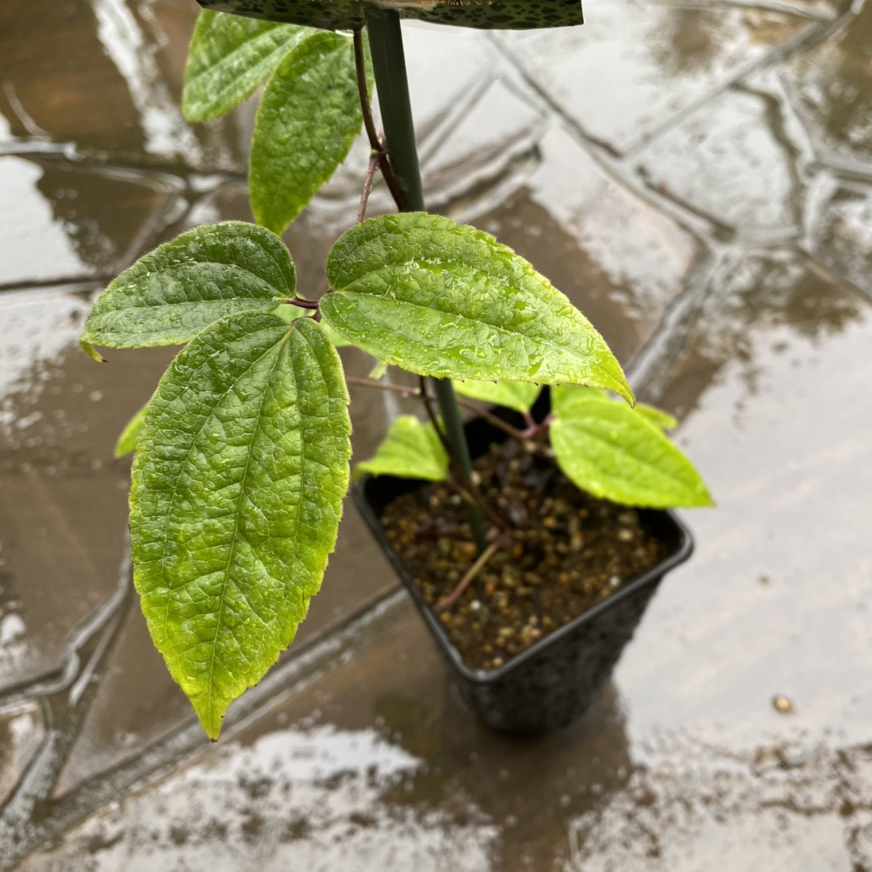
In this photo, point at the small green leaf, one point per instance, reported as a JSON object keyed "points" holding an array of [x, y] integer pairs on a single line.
{"points": [[229, 57], [519, 396], [609, 450], [409, 450], [237, 492], [660, 419], [308, 118], [445, 299], [130, 434], [173, 292]]}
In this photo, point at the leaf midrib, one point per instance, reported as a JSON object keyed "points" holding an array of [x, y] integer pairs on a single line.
{"points": [[544, 342], [242, 485], [610, 446], [181, 470], [279, 191]]}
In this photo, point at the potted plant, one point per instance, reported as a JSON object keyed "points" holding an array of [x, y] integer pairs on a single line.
{"points": [[242, 454]]}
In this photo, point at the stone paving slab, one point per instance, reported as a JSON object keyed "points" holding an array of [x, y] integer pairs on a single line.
{"points": [[58, 56], [73, 223], [771, 389], [658, 61], [63, 500], [842, 235], [832, 86], [22, 730], [729, 163]]}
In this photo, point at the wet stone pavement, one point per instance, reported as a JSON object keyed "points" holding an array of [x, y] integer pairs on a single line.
{"points": [[697, 176]]}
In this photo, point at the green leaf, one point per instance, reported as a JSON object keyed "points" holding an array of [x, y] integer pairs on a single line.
{"points": [[378, 370], [338, 340], [229, 57], [237, 492], [172, 293], [611, 451], [130, 434], [519, 396], [409, 450], [91, 351], [445, 299], [308, 118], [660, 419]]}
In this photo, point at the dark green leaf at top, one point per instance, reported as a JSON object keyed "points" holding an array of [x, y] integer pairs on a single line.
{"points": [[444, 299], [229, 57], [308, 118], [173, 292], [237, 492], [349, 14]]}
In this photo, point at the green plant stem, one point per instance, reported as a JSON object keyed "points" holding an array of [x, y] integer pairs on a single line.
{"points": [[379, 155], [389, 66]]}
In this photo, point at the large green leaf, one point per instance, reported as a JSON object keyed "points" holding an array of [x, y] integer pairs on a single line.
{"points": [[229, 57], [444, 299], [519, 396], [308, 118], [237, 492], [172, 293], [409, 450], [612, 451]]}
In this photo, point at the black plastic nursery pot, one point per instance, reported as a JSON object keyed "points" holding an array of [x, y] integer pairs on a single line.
{"points": [[553, 682]]}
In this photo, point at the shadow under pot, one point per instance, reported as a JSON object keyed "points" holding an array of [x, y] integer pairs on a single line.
{"points": [[555, 680]]}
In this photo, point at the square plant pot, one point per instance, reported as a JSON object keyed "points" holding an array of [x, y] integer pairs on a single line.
{"points": [[553, 682]]}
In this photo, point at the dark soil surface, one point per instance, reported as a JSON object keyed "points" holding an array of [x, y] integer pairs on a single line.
{"points": [[568, 552]]}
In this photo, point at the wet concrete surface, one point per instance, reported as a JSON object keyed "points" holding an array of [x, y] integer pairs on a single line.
{"points": [[697, 177]]}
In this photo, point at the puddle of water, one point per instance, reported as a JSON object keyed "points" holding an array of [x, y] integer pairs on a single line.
{"points": [[832, 84], [72, 223], [132, 54], [685, 762], [775, 600], [437, 83], [727, 163], [842, 234], [63, 499], [498, 128], [658, 60]]}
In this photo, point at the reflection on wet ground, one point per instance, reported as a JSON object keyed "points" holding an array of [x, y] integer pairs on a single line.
{"points": [[698, 178]]}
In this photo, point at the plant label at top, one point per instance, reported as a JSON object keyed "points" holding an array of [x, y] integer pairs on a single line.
{"points": [[349, 14]]}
